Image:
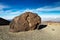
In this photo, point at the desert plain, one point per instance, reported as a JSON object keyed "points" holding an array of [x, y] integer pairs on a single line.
{"points": [[50, 32]]}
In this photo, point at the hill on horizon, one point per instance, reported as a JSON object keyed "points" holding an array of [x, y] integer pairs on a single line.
{"points": [[4, 21]]}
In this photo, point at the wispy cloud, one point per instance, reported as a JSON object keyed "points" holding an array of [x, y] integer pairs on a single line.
{"points": [[48, 9], [2, 6], [56, 4], [10, 14]]}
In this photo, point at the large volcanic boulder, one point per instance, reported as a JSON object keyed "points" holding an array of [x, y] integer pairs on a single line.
{"points": [[25, 22], [4, 22]]}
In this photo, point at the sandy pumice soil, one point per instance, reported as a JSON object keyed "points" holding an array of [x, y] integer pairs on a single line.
{"points": [[50, 32]]}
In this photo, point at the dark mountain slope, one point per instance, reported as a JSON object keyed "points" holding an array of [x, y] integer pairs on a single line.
{"points": [[4, 22]]}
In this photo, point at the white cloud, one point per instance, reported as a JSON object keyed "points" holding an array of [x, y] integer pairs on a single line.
{"points": [[1, 11], [56, 4], [29, 10], [48, 9], [8, 17], [17, 12], [3, 6], [22, 11], [11, 14]]}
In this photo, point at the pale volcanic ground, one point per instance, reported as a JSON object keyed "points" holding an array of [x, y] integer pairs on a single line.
{"points": [[50, 32]]}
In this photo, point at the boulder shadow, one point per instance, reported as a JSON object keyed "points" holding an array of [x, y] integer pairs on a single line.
{"points": [[41, 26]]}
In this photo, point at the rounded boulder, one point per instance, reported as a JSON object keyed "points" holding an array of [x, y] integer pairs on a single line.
{"points": [[25, 22]]}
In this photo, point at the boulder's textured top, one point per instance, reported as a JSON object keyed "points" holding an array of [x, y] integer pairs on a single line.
{"points": [[25, 22], [4, 22]]}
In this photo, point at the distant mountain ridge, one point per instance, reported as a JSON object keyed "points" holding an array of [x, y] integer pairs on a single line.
{"points": [[51, 19], [4, 21]]}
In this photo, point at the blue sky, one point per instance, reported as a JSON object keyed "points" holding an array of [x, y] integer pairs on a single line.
{"points": [[44, 8]]}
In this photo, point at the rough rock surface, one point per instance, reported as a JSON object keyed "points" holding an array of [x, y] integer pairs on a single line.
{"points": [[25, 22]]}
